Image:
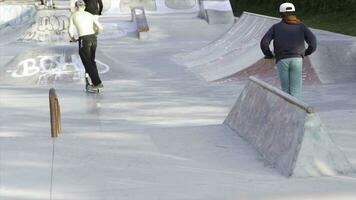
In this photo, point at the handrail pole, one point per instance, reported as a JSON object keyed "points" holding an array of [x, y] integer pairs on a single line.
{"points": [[291, 99]]}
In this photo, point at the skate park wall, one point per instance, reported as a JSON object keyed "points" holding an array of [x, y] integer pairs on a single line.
{"points": [[15, 19], [239, 48], [112, 7], [16, 15], [286, 132], [236, 50], [51, 26], [217, 11]]}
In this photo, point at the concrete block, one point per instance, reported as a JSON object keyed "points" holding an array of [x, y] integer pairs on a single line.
{"points": [[139, 16], [217, 11], [286, 131]]}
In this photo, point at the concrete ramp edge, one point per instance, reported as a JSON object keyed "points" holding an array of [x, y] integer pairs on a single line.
{"points": [[286, 132], [244, 34], [16, 15]]}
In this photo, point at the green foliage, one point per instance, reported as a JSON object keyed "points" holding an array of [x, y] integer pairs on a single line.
{"points": [[315, 6], [333, 15]]}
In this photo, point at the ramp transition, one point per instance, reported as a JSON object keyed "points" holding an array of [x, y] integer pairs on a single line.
{"points": [[14, 20], [286, 132], [243, 35], [238, 51], [12, 16]]}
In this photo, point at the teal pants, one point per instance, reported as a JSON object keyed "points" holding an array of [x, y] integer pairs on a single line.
{"points": [[290, 75]]}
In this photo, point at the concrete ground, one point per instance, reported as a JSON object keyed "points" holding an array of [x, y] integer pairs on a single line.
{"points": [[155, 132]]}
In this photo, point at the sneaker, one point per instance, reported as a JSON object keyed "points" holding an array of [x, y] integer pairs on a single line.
{"points": [[96, 88]]}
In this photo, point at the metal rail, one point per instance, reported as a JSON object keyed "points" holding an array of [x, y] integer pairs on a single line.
{"points": [[285, 96], [55, 114]]}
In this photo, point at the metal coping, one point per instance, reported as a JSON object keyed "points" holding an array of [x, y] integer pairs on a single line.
{"points": [[309, 109]]}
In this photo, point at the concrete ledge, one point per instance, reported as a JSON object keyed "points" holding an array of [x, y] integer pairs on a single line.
{"points": [[286, 131], [139, 16], [216, 12], [219, 17]]}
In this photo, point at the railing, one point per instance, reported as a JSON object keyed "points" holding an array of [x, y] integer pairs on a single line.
{"points": [[55, 113], [285, 96]]}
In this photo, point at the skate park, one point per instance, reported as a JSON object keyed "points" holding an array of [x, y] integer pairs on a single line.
{"points": [[179, 117]]}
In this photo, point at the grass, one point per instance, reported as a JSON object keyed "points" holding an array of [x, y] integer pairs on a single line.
{"points": [[337, 21]]}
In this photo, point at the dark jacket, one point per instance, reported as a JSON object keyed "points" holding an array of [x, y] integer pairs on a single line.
{"points": [[288, 41], [95, 7]]}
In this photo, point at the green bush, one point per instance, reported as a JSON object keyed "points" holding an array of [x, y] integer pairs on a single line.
{"points": [[315, 6], [332, 15]]}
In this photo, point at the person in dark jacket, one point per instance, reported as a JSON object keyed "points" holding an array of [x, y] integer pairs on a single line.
{"points": [[94, 7], [289, 37]]}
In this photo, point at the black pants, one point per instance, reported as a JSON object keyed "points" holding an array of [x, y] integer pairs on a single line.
{"points": [[87, 48]]}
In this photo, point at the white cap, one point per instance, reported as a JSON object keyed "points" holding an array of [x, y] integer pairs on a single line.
{"points": [[286, 7], [79, 3]]}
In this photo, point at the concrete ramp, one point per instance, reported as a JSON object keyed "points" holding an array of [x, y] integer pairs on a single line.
{"points": [[237, 55], [123, 7], [51, 26], [16, 15], [14, 20], [335, 59], [287, 132], [244, 35], [235, 51]]}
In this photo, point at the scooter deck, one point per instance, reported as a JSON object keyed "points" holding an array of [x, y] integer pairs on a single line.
{"points": [[87, 86]]}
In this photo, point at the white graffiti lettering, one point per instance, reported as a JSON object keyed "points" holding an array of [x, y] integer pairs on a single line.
{"points": [[102, 67], [54, 67], [26, 68], [48, 28], [53, 23]]}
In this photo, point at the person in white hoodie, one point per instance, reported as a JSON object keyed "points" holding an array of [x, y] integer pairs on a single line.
{"points": [[87, 26]]}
